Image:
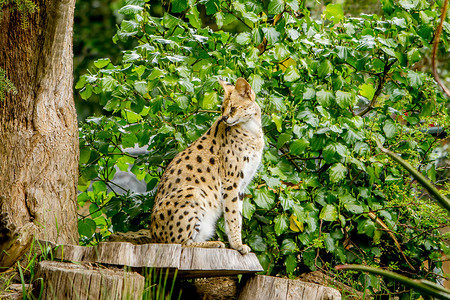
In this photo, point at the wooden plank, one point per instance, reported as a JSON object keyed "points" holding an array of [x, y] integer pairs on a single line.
{"points": [[268, 287], [124, 254], [75, 281], [208, 262], [190, 262]]}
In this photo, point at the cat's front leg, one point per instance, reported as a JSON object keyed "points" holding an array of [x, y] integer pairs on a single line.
{"points": [[232, 207]]}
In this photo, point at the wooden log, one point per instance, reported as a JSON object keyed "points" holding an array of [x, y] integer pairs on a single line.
{"points": [[274, 288], [190, 262], [323, 279], [209, 262], [122, 254], [74, 281]]}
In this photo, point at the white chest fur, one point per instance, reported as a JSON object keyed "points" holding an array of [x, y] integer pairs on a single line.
{"points": [[254, 143]]}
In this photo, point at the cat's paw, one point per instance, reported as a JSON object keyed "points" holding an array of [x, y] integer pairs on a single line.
{"points": [[243, 249]]}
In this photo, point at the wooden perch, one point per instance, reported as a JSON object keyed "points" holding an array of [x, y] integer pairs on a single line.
{"points": [[190, 262]]}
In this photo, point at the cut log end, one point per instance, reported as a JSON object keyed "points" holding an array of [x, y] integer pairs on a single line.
{"points": [[74, 281]]}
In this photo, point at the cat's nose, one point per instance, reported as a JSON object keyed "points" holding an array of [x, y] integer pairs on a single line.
{"points": [[224, 118]]}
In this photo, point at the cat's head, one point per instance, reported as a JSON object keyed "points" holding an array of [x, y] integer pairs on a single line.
{"points": [[239, 105]]}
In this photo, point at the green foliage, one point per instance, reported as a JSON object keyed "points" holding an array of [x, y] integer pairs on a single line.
{"points": [[24, 7], [424, 286], [326, 88], [159, 286], [6, 85]]}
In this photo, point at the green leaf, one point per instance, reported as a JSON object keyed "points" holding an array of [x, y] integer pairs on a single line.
{"points": [[81, 82], [129, 27], [334, 152], [388, 51], [325, 68], [182, 101], [278, 122], [293, 4], [130, 9], [276, 7], [86, 227], [299, 146], [179, 5], [334, 12], [85, 154], [329, 213], [338, 172], [366, 226], [257, 243], [210, 100], [290, 263], [156, 73], [243, 38], [288, 246], [281, 52], [342, 52], [281, 224], [86, 92], [247, 208], [344, 99], [264, 198], [408, 4], [389, 128], [283, 139], [291, 74], [271, 34], [194, 17], [102, 62], [309, 94], [256, 82], [141, 87], [414, 79], [414, 56], [367, 90], [324, 97], [212, 6], [109, 83]]}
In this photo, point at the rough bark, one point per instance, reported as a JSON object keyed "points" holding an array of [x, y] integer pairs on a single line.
{"points": [[38, 130], [75, 281]]}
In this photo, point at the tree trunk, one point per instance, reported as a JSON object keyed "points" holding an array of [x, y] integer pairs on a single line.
{"points": [[38, 130]]}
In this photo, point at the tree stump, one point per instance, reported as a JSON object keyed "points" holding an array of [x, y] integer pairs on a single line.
{"points": [[274, 288], [74, 281]]}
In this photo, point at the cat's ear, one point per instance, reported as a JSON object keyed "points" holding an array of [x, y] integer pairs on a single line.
{"points": [[227, 87], [243, 87]]}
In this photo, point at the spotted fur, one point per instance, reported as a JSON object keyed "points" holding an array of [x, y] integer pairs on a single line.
{"points": [[209, 178]]}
